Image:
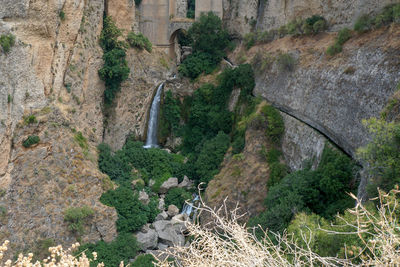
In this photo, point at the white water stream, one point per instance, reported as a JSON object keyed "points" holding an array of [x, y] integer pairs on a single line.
{"points": [[153, 120]]}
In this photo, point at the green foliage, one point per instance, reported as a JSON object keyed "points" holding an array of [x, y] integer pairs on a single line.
{"points": [[123, 248], [209, 40], [177, 196], [137, 2], [191, 9], [249, 40], [31, 140], [7, 41], [139, 41], [170, 116], [275, 124], [77, 217], [144, 260], [81, 140], [211, 156], [286, 62], [132, 214], [363, 24], [238, 143], [41, 248], [114, 72], [277, 171], [62, 15], [196, 64], [343, 36], [115, 69], [30, 119], [382, 155], [323, 191]]}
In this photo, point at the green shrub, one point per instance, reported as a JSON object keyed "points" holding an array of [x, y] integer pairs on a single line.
{"points": [[277, 171], [31, 140], [7, 41], [137, 2], [77, 218], [30, 119], [132, 214], [123, 248], [62, 15], [320, 26], [196, 64], [115, 69], [191, 9], [238, 144], [275, 123], [273, 155], [334, 49], [177, 197], [286, 62], [249, 40], [139, 41], [363, 24], [81, 140], [343, 36], [170, 113], [145, 260]]}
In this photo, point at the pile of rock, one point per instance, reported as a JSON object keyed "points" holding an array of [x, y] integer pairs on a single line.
{"points": [[169, 227]]}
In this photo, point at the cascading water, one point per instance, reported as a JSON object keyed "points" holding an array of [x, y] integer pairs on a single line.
{"points": [[189, 208], [153, 119]]}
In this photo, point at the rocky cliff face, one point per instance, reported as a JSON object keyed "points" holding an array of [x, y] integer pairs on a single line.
{"points": [[333, 95], [241, 16]]}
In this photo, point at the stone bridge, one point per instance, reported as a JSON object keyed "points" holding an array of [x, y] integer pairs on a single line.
{"points": [[161, 20]]}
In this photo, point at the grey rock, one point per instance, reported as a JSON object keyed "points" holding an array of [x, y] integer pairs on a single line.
{"points": [[170, 183], [172, 210], [162, 216], [144, 197], [169, 233], [161, 204], [162, 246], [186, 183], [147, 240]]}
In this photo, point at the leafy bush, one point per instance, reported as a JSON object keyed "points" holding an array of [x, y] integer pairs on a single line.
{"points": [[132, 214], [275, 124], [323, 191], [30, 119], [249, 40], [209, 40], [343, 36], [123, 248], [277, 171], [382, 155], [77, 218], [31, 140], [286, 62], [363, 24], [7, 41], [115, 69], [137, 2], [334, 49], [177, 196], [81, 140], [139, 41], [191, 9], [62, 15], [145, 260]]}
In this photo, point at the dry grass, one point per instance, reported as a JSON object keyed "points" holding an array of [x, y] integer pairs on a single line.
{"points": [[228, 243]]}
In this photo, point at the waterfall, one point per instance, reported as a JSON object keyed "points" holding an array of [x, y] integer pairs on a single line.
{"points": [[153, 119], [189, 208]]}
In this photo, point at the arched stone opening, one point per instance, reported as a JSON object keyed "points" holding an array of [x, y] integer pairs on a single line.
{"points": [[175, 49]]}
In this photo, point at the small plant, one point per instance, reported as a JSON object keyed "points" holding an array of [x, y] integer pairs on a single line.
{"points": [[30, 119], [81, 140], [31, 140], [139, 41], [77, 218], [343, 36], [68, 87], [7, 41], [363, 24], [286, 62], [62, 15], [9, 99]]}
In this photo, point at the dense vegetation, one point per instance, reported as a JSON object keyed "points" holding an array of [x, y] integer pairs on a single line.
{"points": [[343, 36], [6, 42], [77, 218], [115, 69], [322, 191], [30, 141], [389, 14], [191, 9], [139, 41], [209, 41]]}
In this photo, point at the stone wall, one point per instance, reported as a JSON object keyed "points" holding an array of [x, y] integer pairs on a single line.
{"points": [[205, 6]]}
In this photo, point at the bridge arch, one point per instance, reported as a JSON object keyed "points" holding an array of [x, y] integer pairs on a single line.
{"points": [[176, 27]]}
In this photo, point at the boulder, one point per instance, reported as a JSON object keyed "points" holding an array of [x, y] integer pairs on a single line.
{"points": [[162, 216], [144, 197], [151, 182], [161, 204], [168, 184], [169, 233], [172, 210], [137, 183], [186, 183], [147, 240]]}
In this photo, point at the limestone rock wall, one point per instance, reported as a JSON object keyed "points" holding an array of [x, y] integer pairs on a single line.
{"points": [[334, 95], [240, 15]]}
